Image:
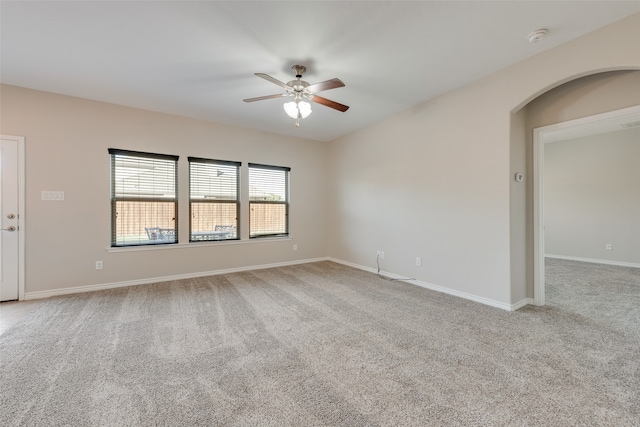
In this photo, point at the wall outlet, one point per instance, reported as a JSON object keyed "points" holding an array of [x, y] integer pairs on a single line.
{"points": [[608, 246], [98, 265], [295, 247], [419, 261], [381, 254]]}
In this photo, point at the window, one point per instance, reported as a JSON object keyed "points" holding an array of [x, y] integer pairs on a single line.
{"points": [[144, 200], [214, 199], [268, 201]]}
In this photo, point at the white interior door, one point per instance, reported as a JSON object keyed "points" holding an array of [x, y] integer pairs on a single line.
{"points": [[9, 220]]}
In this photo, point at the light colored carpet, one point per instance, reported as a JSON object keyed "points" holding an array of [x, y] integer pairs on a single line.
{"points": [[322, 344]]}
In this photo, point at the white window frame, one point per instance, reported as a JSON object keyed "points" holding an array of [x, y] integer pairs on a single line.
{"points": [[268, 185], [134, 179]]}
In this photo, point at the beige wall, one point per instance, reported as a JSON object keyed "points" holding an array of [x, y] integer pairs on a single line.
{"points": [[584, 97], [436, 181], [521, 268], [592, 197], [66, 149]]}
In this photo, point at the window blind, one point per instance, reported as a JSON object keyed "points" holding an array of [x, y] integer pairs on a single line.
{"points": [[268, 200], [144, 198], [214, 193]]}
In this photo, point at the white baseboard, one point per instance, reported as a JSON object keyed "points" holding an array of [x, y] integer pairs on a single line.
{"points": [[437, 288], [526, 301], [594, 261], [104, 286], [114, 285]]}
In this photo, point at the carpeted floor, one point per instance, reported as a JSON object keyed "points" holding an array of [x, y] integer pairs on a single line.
{"points": [[323, 344]]}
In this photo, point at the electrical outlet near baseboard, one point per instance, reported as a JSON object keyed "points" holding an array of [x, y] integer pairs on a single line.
{"points": [[608, 247], [381, 254], [419, 261]]}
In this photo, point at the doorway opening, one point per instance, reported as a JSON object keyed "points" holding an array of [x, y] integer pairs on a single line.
{"points": [[592, 125]]}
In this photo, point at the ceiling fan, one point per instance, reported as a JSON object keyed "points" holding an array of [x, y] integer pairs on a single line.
{"points": [[302, 92]]}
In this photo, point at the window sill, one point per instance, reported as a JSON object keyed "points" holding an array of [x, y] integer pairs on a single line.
{"points": [[191, 245]]}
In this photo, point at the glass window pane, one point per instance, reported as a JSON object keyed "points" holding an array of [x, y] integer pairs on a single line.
{"points": [[213, 221], [213, 182], [267, 184], [268, 200], [144, 177], [141, 223], [214, 199], [143, 198], [268, 219]]}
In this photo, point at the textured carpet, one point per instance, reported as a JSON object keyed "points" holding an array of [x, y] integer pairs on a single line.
{"points": [[322, 344]]}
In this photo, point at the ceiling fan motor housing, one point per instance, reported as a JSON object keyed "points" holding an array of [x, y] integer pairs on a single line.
{"points": [[297, 85], [299, 70]]}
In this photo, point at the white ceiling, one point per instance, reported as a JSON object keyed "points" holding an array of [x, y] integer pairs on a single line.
{"points": [[197, 58]]}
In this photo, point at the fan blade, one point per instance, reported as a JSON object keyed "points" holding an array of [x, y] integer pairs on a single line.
{"points": [[260, 98], [326, 85], [329, 103], [272, 80]]}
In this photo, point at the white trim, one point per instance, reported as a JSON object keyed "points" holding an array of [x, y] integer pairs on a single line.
{"points": [[437, 288], [538, 189], [538, 216], [22, 196], [519, 305], [21, 211], [114, 285], [595, 261]]}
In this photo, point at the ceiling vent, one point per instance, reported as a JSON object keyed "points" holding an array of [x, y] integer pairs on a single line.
{"points": [[631, 124]]}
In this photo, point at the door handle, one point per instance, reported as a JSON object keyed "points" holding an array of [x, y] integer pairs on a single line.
{"points": [[10, 228]]}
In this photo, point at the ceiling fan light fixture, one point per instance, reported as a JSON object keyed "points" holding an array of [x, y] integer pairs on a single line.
{"points": [[297, 109], [291, 109], [305, 109]]}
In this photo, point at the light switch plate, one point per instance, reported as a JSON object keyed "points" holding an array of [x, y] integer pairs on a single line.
{"points": [[56, 196]]}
